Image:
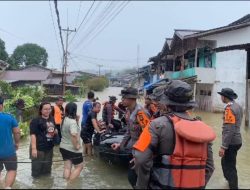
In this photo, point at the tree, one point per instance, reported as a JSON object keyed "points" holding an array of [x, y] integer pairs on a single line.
{"points": [[3, 54], [28, 54]]}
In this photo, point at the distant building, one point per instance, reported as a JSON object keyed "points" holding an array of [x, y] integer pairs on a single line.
{"points": [[50, 79], [208, 60]]}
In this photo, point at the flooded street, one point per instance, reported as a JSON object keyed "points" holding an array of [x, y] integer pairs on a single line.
{"points": [[98, 174]]}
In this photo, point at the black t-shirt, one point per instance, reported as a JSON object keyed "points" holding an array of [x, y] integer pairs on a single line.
{"points": [[89, 125], [44, 130]]}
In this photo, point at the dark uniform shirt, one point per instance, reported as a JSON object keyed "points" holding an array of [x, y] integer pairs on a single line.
{"points": [[232, 119], [162, 140]]}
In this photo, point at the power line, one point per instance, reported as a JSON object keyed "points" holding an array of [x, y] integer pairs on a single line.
{"points": [[54, 28], [59, 25], [112, 18], [109, 60], [90, 16], [11, 34], [102, 16], [80, 6], [83, 21]]}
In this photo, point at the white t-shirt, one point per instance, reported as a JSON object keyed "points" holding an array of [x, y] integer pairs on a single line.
{"points": [[70, 127]]}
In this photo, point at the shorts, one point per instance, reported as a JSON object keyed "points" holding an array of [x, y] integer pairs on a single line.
{"points": [[9, 163], [86, 136], [75, 158]]}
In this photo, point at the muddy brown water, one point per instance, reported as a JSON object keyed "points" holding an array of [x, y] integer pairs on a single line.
{"points": [[99, 174]]}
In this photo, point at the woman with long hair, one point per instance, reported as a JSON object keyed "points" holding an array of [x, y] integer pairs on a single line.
{"points": [[42, 133], [70, 146]]}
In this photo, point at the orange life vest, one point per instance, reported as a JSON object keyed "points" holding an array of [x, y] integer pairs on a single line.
{"points": [[186, 166], [57, 115]]}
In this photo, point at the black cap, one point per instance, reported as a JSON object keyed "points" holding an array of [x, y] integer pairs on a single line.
{"points": [[178, 93], [1, 100], [112, 98], [228, 93], [129, 93]]}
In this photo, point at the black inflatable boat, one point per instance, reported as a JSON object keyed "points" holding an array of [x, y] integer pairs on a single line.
{"points": [[102, 148]]}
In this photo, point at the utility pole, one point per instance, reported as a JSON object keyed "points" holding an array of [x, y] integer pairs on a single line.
{"points": [[65, 60], [138, 50], [100, 69]]}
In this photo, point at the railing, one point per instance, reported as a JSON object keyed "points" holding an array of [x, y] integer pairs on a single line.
{"points": [[204, 75]]}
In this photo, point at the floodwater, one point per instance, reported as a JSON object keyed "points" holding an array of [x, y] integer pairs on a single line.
{"points": [[99, 174]]}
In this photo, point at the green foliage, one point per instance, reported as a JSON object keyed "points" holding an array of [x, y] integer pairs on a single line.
{"points": [[5, 89], [69, 97], [81, 79], [29, 54], [97, 83], [83, 91], [24, 129], [32, 96], [3, 54]]}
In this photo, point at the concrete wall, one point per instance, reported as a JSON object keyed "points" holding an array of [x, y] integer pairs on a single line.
{"points": [[240, 36], [230, 65], [230, 72]]}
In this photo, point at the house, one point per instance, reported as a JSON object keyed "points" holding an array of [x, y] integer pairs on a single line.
{"points": [[209, 60], [50, 79]]}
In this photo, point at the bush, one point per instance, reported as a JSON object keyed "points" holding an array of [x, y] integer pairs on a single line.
{"points": [[69, 97], [24, 129], [97, 84]]}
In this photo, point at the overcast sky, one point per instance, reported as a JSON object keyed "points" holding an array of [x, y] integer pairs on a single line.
{"points": [[143, 23]]}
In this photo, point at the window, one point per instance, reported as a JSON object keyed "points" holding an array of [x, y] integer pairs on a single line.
{"points": [[205, 92], [208, 61]]}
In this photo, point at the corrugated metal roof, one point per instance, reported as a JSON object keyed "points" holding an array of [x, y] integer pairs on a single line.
{"points": [[25, 75], [183, 32], [53, 81]]}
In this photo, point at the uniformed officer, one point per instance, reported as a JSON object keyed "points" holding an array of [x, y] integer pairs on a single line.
{"points": [[175, 150], [231, 136], [136, 118]]}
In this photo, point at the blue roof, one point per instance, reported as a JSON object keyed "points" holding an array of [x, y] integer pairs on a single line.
{"points": [[149, 86]]}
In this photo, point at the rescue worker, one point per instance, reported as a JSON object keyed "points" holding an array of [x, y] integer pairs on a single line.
{"points": [[122, 114], [137, 118], [174, 150], [58, 114], [231, 136], [108, 114], [151, 107]]}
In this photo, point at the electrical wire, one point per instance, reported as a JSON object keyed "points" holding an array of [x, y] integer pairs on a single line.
{"points": [[54, 30], [82, 21], [59, 25], [102, 16], [107, 24]]}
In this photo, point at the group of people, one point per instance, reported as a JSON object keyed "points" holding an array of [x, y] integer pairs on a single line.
{"points": [[169, 148]]}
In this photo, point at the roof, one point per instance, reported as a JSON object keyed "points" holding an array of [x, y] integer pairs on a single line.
{"points": [[166, 46], [241, 23], [243, 19], [58, 80], [35, 65], [181, 33], [53, 81], [24, 75]]}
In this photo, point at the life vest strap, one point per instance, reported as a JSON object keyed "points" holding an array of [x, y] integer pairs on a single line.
{"points": [[179, 167], [161, 186]]}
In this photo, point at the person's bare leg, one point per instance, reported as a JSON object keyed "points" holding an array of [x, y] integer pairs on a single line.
{"points": [[76, 172], [89, 149], [67, 169], [84, 149], [1, 180], [10, 178]]}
